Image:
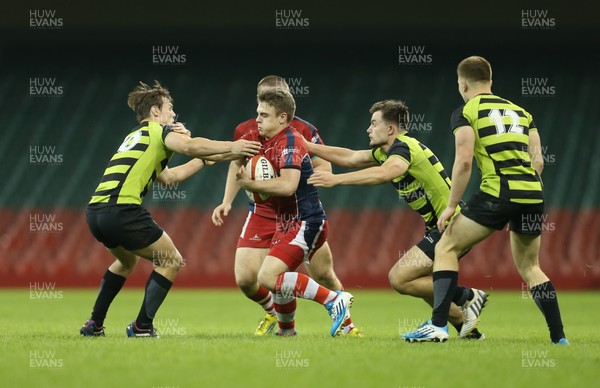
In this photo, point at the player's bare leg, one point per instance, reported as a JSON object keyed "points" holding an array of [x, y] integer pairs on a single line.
{"points": [[525, 251], [247, 263], [246, 266], [321, 270], [125, 261]]}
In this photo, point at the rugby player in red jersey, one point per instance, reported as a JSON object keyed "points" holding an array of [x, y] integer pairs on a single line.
{"points": [[300, 219], [258, 230]]}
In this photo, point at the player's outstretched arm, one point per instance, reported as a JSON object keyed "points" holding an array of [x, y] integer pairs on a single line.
{"points": [[340, 156], [231, 190], [320, 164], [388, 171], [200, 147], [180, 173], [284, 185]]}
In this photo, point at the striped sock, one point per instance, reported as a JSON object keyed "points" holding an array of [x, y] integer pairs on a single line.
{"points": [[264, 298], [285, 307], [301, 286]]}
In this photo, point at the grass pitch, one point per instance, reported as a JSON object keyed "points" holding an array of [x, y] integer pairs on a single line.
{"points": [[207, 341]]}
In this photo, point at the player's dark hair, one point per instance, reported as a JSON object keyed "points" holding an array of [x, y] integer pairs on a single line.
{"points": [[393, 112], [273, 81], [144, 97], [475, 69], [281, 100]]}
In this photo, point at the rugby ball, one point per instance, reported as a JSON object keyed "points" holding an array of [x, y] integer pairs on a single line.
{"points": [[260, 169]]}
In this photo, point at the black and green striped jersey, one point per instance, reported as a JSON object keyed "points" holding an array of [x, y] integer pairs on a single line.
{"points": [[501, 147], [425, 186], [134, 167]]}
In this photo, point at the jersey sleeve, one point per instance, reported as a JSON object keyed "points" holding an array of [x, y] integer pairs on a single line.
{"points": [[378, 155], [458, 119], [532, 126], [238, 132], [165, 131], [401, 150], [313, 133], [307, 130]]}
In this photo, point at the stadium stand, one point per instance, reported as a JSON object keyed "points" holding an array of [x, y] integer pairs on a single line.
{"points": [[80, 128]]}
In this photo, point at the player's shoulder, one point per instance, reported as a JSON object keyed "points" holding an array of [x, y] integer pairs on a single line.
{"points": [[405, 138], [301, 123], [459, 111], [403, 144], [151, 126], [505, 103], [516, 106], [245, 126], [292, 132], [250, 123], [245, 129], [290, 137], [155, 129], [303, 126]]}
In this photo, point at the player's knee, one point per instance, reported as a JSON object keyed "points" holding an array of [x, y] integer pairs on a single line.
{"points": [[172, 260], [529, 272], [129, 265], [398, 283], [245, 282], [327, 279], [445, 247], [267, 280]]}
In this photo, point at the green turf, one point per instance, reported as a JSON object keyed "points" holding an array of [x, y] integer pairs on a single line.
{"points": [[207, 340]]}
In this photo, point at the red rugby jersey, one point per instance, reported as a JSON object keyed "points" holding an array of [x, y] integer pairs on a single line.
{"points": [[248, 130]]}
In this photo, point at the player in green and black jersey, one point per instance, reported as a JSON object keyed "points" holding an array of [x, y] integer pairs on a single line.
{"points": [[115, 215], [419, 177], [505, 142]]}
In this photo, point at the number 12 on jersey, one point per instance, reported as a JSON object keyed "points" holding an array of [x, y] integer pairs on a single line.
{"points": [[497, 117]]}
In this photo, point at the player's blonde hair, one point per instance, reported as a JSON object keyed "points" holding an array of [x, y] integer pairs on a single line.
{"points": [[281, 100], [475, 69], [273, 81], [143, 97]]}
